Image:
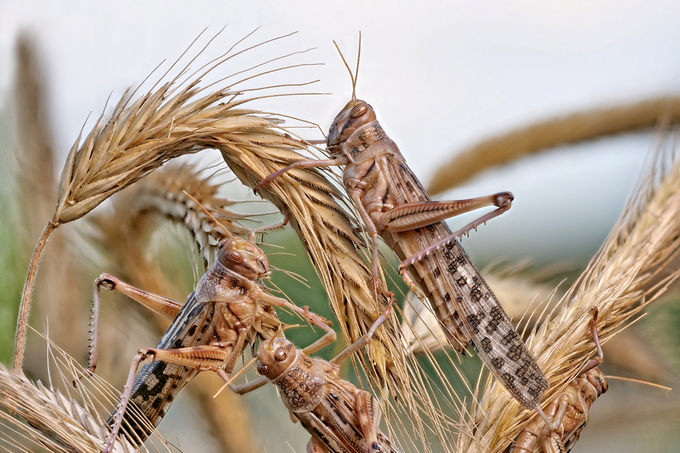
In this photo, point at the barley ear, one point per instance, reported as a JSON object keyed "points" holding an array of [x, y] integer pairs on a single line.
{"points": [[175, 118], [630, 271]]}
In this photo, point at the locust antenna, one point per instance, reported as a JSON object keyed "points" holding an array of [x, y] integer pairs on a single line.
{"points": [[356, 72], [352, 76], [209, 215]]}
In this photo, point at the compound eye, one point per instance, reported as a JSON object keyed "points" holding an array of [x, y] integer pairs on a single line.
{"points": [[262, 369], [281, 354], [358, 110], [234, 256]]}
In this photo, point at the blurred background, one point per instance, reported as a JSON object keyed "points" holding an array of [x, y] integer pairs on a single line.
{"points": [[441, 77]]}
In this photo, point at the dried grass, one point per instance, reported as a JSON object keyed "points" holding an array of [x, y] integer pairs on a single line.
{"points": [[628, 273], [38, 417], [174, 118], [178, 117]]}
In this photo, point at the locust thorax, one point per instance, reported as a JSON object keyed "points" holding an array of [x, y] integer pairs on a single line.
{"points": [[275, 356], [244, 258]]}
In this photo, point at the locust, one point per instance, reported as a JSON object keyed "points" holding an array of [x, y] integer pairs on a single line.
{"points": [[568, 410], [228, 310], [340, 417], [393, 204]]}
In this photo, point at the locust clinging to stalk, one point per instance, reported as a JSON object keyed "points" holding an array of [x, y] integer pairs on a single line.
{"points": [[228, 310], [393, 204], [340, 417], [568, 410]]}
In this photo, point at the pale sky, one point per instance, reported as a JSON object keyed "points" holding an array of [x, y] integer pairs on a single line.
{"points": [[440, 75]]}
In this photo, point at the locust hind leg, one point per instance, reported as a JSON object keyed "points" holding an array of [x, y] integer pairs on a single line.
{"points": [[411, 216], [203, 358], [159, 304]]}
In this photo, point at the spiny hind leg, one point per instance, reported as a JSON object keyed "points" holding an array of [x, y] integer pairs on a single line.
{"points": [[203, 358], [411, 216], [159, 304]]}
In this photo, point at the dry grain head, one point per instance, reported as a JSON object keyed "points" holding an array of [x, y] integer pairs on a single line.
{"points": [[620, 281]]}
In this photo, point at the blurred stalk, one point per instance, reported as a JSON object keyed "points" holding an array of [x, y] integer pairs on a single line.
{"points": [[534, 138], [36, 188]]}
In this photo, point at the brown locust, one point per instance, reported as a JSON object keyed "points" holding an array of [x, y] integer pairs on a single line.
{"points": [[340, 417], [228, 310], [394, 205], [568, 412]]}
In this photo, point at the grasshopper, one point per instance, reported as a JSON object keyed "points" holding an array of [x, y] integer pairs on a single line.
{"points": [[228, 310], [340, 417], [569, 410], [393, 204]]}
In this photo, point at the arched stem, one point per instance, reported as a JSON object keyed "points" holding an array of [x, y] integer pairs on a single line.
{"points": [[24, 307]]}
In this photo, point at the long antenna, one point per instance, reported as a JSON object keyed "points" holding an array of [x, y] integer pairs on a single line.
{"points": [[356, 73], [352, 76]]}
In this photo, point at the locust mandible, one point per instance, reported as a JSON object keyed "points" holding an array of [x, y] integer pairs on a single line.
{"points": [[568, 411], [340, 417], [393, 204], [228, 310]]}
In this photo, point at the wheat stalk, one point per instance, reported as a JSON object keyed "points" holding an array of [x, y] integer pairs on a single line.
{"points": [[575, 127], [330, 235], [39, 416], [174, 118], [621, 280], [136, 212]]}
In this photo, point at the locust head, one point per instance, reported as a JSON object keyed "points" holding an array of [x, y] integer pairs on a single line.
{"points": [[275, 355], [354, 115], [244, 258]]}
